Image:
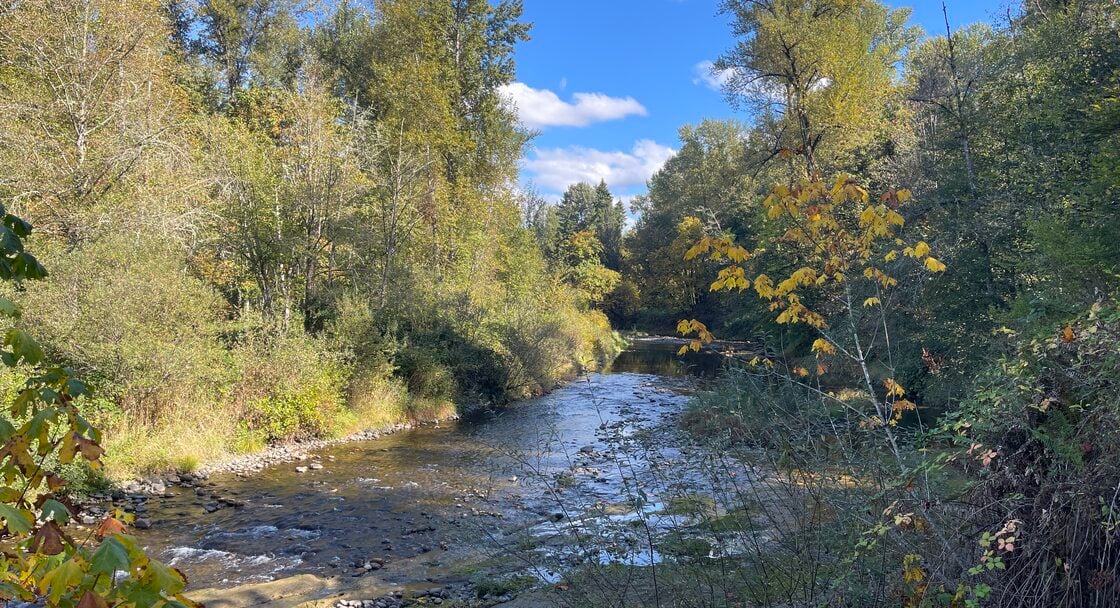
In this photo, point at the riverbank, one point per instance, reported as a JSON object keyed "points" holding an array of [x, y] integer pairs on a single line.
{"points": [[243, 465], [480, 510], [336, 407], [381, 410]]}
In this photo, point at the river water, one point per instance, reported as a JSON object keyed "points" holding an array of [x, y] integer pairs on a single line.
{"points": [[423, 495]]}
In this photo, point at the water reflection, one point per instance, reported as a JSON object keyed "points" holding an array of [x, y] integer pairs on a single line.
{"points": [[659, 357]]}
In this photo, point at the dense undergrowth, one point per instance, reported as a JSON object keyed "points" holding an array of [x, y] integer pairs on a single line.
{"points": [[264, 228], [1009, 500], [220, 396]]}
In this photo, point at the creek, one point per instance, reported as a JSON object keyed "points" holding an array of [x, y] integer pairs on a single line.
{"points": [[412, 507]]}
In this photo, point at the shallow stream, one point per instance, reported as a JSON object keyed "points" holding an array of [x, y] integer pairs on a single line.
{"points": [[420, 495]]}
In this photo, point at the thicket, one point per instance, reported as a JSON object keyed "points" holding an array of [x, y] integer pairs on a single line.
{"points": [[265, 223], [927, 263]]}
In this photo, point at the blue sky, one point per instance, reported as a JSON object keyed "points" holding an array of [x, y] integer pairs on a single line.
{"points": [[608, 82]]}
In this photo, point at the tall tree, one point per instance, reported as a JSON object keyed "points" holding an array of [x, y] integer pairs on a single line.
{"points": [[86, 100], [823, 68], [579, 209], [250, 39]]}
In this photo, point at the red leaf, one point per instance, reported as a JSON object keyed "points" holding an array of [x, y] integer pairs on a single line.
{"points": [[110, 525]]}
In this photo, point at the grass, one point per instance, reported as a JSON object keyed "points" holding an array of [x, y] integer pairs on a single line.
{"points": [[196, 436], [182, 441]]}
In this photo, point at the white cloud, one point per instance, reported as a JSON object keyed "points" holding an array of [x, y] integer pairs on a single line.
{"points": [[558, 168], [540, 108], [705, 73]]}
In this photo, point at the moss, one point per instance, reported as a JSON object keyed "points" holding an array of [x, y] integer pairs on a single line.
{"points": [[503, 586], [692, 504], [686, 547]]}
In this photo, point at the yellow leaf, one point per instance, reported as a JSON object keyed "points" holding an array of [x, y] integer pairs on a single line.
{"points": [[801, 371], [700, 247], [871, 301], [903, 405], [903, 195], [890, 257], [738, 254], [894, 389], [921, 250], [683, 350], [933, 265], [820, 345]]}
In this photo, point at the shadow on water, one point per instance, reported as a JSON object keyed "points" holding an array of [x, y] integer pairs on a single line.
{"points": [[660, 358]]}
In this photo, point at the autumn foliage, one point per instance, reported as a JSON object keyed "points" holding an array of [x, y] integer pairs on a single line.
{"points": [[44, 428]]}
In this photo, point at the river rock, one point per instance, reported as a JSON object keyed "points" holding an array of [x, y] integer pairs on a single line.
{"points": [[142, 523], [315, 466], [301, 469]]}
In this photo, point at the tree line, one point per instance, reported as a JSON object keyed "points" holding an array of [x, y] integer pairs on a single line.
{"points": [[268, 219]]}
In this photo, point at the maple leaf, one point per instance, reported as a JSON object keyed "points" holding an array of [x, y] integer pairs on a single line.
{"points": [[110, 525], [48, 539]]}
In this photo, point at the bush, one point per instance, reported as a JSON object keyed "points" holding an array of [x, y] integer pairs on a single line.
{"points": [[290, 386], [133, 320], [1044, 433]]}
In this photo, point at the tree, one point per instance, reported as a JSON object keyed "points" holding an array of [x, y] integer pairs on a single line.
{"points": [[249, 40], [705, 183], [609, 227], [48, 424], [579, 210], [86, 101], [824, 68], [344, 44], [286, 178]]}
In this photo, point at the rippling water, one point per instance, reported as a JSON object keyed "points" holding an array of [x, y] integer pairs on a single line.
{"points": [[420, 491]]}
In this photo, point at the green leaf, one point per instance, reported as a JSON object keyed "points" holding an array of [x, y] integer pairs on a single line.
{"points": [[24, 346], [68, 574], [20, 227], [6, 430], [18, 521], [8, 308], [76, 388], [55, 511], [110, 557], [162, 577]]}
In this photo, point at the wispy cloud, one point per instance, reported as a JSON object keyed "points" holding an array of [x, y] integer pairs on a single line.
{"points": [[705, 73], [557, 168], [539, 108]]}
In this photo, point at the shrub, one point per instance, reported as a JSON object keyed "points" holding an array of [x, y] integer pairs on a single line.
{"points": [[290, 386], [144, 333]]}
